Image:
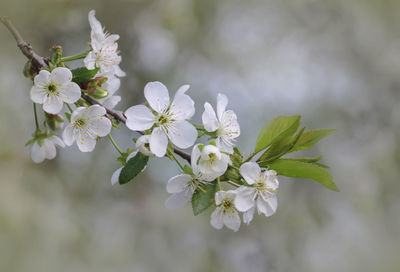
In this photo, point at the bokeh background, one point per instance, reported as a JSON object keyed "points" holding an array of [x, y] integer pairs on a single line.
{"points": [[335, 62]]}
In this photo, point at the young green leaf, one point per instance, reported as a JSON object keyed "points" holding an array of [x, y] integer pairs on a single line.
{"points": [[202, 200], [132, 168], [310, 138], [299, 169], [276, 130], [81, 75]]}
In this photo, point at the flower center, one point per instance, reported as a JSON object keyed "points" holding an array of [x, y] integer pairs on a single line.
{"points": [[79, 123], [212, 157], [261, 186], [163, 120], [147, 146], [51, 88]]}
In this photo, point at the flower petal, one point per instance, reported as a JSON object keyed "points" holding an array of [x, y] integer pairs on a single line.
{"points": [[115, 176], [70, 92], [85, 143], [230, 124], [219, 197], [90, 60], [38, 95], [217, 218], [101, 126], [182, 134], [209, 118], [158, 142], [245, 198], [37, 153], [68, 135], [42, 80], [232, 220], [95, 111], [111, 101], [178, 200], [139, 117], [157, 95], [52, 104], [94, 23], [61, 75], [248, 216], [56, 141], [222, 102], [118, 71], [178, 183], [143, 145], [49, 149], [251, 172], [265, 207], [182, 107]]}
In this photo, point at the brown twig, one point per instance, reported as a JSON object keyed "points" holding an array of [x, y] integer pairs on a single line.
{"points": [[27, 50]]}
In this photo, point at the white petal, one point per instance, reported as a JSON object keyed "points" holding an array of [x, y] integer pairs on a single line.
{"points": [[68, 135], [245, 198], [267, 204], [70, 92], [90, 60], [112, 85], [77, 113], [95, 111], [115, 176], [111, 101], [158, 142], [157, 95], [178, 200], [61, 75], [182, 134], [52, 104], [85, 143], [37, 153], [230, 124], [222, 102], [141, 145], [209, 118], [57, 141], [139, 117], [217, 218], [178, 183], [38, 95], [225, 145], [251, 172], [219, 197], [49, 149], [182, 90], [118, 71], [101, 126], [248, 216], [42, 80], [232, 220], [94, 23], [182, 107]]}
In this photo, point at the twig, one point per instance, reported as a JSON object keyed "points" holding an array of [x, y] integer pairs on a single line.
{"points": [[27, 50]]}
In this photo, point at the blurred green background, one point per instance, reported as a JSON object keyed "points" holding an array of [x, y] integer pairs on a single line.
{"points": [[335, 62]]}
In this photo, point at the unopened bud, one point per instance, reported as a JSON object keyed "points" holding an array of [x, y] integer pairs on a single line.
{"points": [[99, 93]]}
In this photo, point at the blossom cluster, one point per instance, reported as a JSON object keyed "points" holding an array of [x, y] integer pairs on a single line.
{"points": [[216, 175]]}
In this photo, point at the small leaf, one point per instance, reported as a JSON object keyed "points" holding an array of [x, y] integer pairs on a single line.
{"points": [[298, 169], [310, 138], [187, 170], [276, 130], [202, 200], [81, 75], [132, 168], [68, 115]]}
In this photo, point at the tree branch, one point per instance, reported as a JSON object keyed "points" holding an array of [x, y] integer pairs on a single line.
{"points": [[27, 50]]}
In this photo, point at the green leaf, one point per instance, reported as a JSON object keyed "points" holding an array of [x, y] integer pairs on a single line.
{"points": [[276, 130], [80, 75], [202, 200], [187, 170], [280, 148], [310, 160], [132, 168], [310, 138], [299, 169]]}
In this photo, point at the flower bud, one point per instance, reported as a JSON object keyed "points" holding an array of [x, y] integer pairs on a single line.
{"points": [[99, 93]]}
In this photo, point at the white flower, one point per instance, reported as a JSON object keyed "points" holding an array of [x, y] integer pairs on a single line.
{"points": [[225, 213], [115, 175], [143, 145], [183, 186], [86, 125], [211, 161], [55, 88], [169, 118], [225, 124], [111, 85], [261, 194], [104, 54], [46, 149]]}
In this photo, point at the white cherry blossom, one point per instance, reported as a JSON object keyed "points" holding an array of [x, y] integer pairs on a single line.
{"points": [[86, 125], [115, 175], [260, 194], [225, 213], [224, 123], [168, 118], [55, 88], [104, 53], [211, 161], [143, 145], [183, 186], [46, 149]]}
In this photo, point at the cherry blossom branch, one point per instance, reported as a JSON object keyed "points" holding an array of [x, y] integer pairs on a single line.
{"points": [[27, 50]]}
